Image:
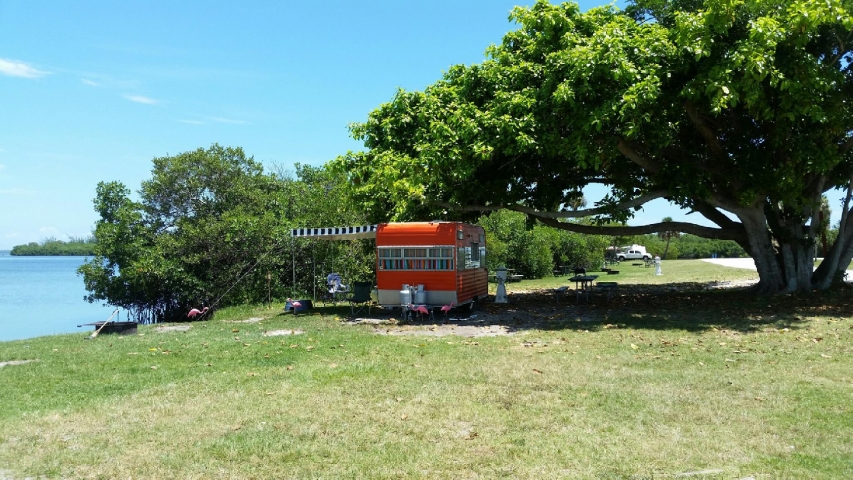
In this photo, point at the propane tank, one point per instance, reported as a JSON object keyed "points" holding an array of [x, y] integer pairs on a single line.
{"points": [[420, 295], [405, 295]]}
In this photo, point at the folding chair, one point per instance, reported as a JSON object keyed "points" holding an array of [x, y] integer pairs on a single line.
{"points": [[333, 282], [360, 297]]}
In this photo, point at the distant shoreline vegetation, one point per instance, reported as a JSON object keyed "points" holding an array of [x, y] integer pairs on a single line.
{"points": [[54, 247]]}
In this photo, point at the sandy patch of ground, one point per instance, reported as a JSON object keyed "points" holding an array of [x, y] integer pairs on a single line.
{"points": [[437, 330], [248, 320], [15, 362], [172, 328], [525, 311], [278, 333], [536, 309], [732, 284]]}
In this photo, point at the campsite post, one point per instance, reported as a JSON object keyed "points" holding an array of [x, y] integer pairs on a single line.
{"points": [[500, 277]]}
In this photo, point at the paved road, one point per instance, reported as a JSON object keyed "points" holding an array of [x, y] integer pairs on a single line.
{"points": [[748, 263]]}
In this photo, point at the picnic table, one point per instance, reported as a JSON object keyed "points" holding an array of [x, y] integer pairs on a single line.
{"points": [[608, 287], [583, 284], [510, 277]]}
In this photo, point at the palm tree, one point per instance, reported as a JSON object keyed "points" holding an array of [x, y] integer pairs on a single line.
{"points": [[668, 235]]}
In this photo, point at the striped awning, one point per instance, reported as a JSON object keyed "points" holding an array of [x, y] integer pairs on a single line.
{"points": [[336, 233]]}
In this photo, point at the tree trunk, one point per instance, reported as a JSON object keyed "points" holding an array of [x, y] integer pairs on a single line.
{"points": [[666, 249], [761, 249], [785, 262], [834, 265]]}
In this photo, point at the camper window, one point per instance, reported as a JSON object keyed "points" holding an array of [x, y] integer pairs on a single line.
{"points": [[415, 258], [471, 257]]}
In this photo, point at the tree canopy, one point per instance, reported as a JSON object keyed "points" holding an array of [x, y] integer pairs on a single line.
{"points": [[208, 228], [54, 247], [737, 110]]}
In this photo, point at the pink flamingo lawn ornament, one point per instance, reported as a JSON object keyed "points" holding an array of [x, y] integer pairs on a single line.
{"points": [[196, 313], [421, 309], [447, 308], [295, 304]]}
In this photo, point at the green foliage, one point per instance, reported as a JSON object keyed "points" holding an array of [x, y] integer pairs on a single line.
{"points": [[512, 243], [691, 246], [535, 251], [52, 247], [208, 229], [318, 199], [688, 246], [579, 250]]}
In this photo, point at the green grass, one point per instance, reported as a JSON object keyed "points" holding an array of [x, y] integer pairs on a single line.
{"points": [[820, 260], [674, 272], [718, 382]]}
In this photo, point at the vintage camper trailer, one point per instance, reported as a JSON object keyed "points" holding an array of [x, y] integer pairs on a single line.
{"points": [[437, 262], [446, 260]]}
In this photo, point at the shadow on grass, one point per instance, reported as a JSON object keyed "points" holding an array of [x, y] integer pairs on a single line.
{"points": [[687, 307]]}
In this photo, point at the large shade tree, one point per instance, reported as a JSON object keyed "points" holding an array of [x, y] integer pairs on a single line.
{"points": [[210, 227], [737, 110], [204, 220]]}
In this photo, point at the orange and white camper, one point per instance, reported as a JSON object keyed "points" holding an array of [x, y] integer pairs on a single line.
{"points": [[439, 262]]}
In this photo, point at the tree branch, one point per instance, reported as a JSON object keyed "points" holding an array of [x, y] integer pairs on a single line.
{"points": [[730, 230], [841, 51], [737, 235], [629, 151], [589, 212], [714, 215], [846, 146], [705, 130]]}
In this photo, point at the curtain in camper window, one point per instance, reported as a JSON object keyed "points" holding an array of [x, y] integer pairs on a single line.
{"points": [[416, 258]]}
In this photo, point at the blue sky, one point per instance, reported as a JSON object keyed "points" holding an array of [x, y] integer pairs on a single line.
{"points": [[93, 90]]}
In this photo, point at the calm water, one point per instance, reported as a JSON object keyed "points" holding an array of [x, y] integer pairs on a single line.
{"points": [[44, 296]]}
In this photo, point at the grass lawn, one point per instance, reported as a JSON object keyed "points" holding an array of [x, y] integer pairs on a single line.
{"points": [[703, 384]]}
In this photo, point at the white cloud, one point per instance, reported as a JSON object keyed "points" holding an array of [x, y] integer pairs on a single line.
{"points": [[90, 82], [51, 231], [192, 122], [229, 120], [12, 68], [141, 99]]}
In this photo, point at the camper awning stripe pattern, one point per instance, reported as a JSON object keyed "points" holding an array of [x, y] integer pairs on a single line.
{"points": [[336, 233]]}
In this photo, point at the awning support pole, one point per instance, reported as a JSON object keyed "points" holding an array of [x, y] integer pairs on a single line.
{"points": [[293, 257]]}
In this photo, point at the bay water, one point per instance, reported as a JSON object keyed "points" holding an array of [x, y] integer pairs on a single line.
{"points": [[44, 296]]}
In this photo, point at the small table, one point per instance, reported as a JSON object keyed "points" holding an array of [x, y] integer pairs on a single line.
{"points": [[608, 287], [583, 284]]}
